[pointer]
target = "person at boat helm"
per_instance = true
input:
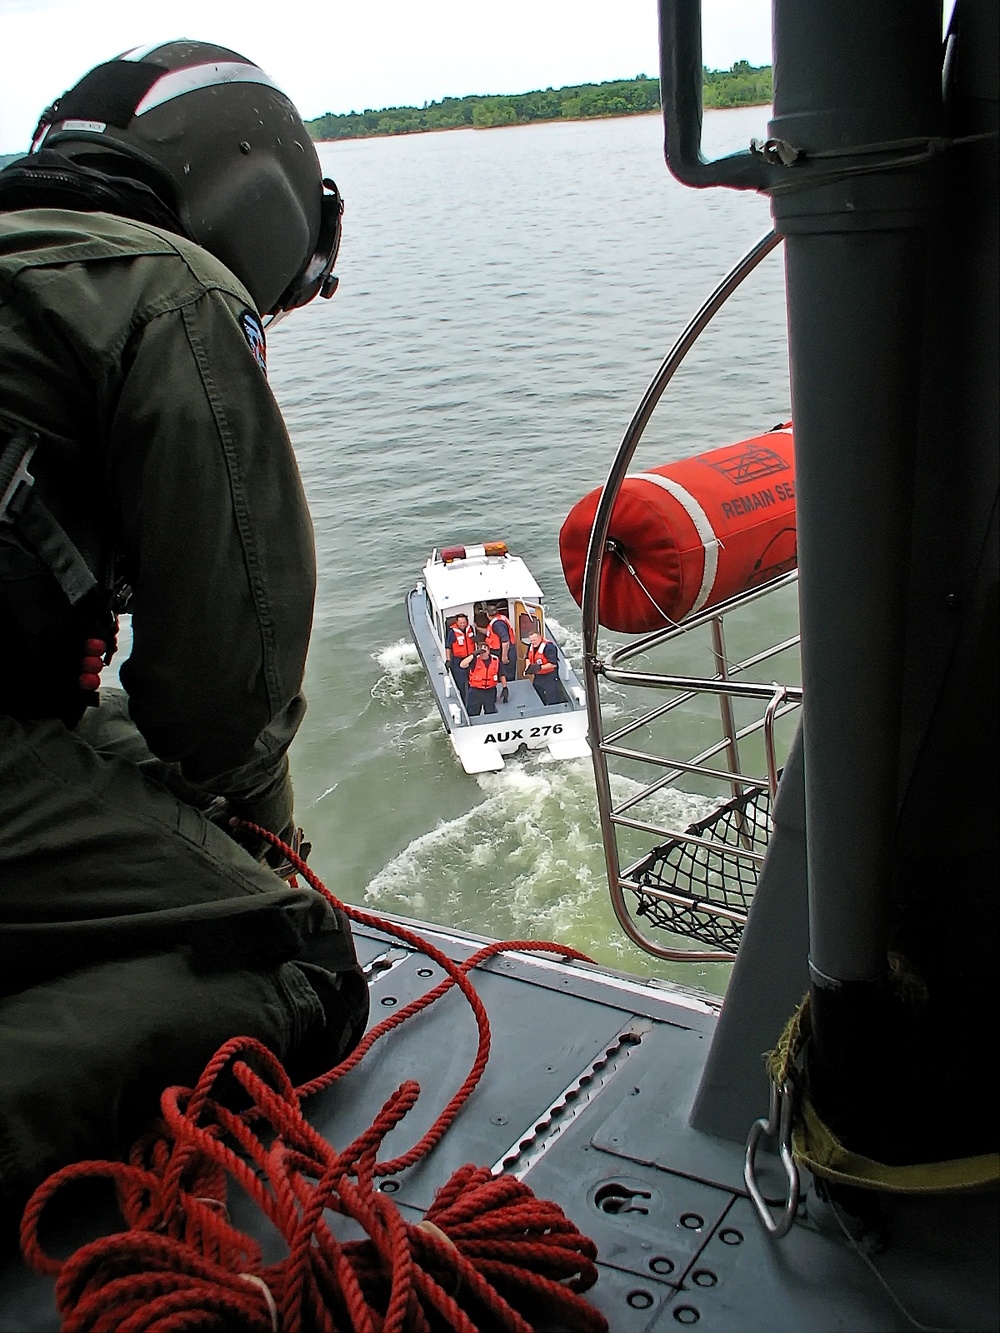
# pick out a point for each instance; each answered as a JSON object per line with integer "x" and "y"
{"x": 484, "y": 672}
{"x": 501, "y": 641}
{"x": 171, "y": 203}
{"x": 460, "y": 647}
{"x": 542, "y": 664}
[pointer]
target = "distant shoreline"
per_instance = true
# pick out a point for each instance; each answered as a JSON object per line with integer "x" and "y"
{"x": 743, "y": 85}
{"x": 526, "y": 124}
{"x": 518, "y": 125}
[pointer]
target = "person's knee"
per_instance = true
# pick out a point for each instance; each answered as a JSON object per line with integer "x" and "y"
{"x": 87, "y": 1055}
{"x": 343, "y": 997}
{"x": 328, "y": 963}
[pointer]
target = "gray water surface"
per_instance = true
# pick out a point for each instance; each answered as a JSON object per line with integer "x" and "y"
{"x": 506, "y": 295}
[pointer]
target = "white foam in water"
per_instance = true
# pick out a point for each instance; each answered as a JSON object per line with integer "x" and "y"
{"x": 670, "y": 807}
{"x": 422, "y": 733}
{"x": 570, "y": 640}
{"x": 401, "y": 669}
{"x": 613, "y": 698}
{"x": 526, "y": 862}
{"x": 398, "y": 659}
{"x": 322, "y": 796}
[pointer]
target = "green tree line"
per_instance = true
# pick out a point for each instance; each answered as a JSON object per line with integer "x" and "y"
{"x": 743, "y": 85}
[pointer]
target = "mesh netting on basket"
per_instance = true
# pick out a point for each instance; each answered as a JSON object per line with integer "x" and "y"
{"x": 712, "y": 886}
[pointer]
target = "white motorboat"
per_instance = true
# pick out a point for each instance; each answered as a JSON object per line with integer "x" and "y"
{"x": 476, "y": 581}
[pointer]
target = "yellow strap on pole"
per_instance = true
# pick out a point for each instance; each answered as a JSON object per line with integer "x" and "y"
{"x": 816, "y": 1147}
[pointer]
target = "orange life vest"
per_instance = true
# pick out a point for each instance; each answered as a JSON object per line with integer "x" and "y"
{"x": 536, "y": 658}
{"x": 463, "y": 643}
{"x": 493, "y": 639}
{"x": 483, "y": 673}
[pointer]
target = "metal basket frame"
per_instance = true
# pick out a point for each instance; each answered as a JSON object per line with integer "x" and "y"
{"x": 721, "y": 922}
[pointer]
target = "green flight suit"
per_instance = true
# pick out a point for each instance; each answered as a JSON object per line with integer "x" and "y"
{"x": 136, "y": 934}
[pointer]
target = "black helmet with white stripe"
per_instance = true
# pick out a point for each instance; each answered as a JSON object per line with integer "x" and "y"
{"x": 227, "y": 151}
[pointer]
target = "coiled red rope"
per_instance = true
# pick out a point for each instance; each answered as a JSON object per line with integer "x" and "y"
{"x": 488, "y": 1255}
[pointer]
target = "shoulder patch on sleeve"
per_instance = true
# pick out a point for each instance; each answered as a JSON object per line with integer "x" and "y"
{"x": 254, "y": 334}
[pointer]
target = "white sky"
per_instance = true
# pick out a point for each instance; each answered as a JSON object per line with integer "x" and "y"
{"x": 339, "y": 55}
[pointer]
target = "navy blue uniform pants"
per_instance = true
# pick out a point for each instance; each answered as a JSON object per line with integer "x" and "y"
{"x": 507, "y": 669}
{"x": 461, "y": 675}
{"x": 482, "y": 701}
{"x": 547, "y": 687}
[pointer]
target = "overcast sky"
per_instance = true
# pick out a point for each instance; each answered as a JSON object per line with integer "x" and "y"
{"x": 330, "y": 55}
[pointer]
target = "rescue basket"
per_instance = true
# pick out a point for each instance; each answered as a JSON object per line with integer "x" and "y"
{"x": 704, "y": 892}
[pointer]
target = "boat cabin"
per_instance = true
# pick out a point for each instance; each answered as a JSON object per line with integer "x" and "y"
{"x": 481, "y": 581}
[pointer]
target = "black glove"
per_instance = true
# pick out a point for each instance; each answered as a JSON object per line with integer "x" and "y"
{"x": 504, "y": 695}
{"x": 271, "y": 808}
{"x": 266, "y": 852}
{"x": 280, "y": 863}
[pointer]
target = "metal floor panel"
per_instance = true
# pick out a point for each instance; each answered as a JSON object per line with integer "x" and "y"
{"x": 811, "y": 1281}
{"x": 645, "y": 1222}
{"x": 541, "y": 1042}
{"x": 585, "y": 1098}
{"x": 668, "y": 1065}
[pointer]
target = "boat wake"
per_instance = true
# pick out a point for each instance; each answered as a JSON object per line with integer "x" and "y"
{"x": 570, "y": 640}
{"x": 525, "y": 862}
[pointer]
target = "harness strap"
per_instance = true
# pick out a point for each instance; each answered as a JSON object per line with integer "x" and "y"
{"x": 21, "y": 506}
{"x": 815, "y": 1146}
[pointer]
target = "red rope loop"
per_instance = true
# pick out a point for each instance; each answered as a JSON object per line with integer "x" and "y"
{"x": 491, "y": 1255}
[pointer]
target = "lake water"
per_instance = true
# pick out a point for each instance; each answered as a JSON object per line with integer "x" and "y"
{"x": 505, "y": 298}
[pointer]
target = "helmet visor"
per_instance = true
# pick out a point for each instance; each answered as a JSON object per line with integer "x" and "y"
{"x": 317, "y": 278}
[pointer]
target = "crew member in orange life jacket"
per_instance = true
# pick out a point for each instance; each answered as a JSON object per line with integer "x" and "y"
{"x": 542, "y": 665}
{"x": 460, "y": 644}
{"x": 483, "y": 675}
{"x": 501, "y": 642}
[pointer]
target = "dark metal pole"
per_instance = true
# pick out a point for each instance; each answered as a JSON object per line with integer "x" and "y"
{"x": 882, "y": 170}
{"x": 857, "y": 90}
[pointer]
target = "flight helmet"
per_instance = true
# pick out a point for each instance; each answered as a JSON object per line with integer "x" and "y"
{"x": 210, "y": 130}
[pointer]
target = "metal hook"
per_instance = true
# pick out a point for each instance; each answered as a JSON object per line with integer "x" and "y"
{"x": 778, "y": 1123}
